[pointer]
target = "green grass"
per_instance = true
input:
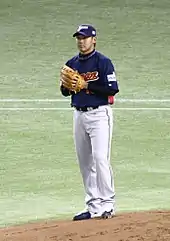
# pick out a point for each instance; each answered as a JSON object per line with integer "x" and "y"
{"x": 40, "y": 177}
{"x": 39, "y": 174}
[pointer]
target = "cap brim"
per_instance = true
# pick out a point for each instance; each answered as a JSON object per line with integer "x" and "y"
{"x": 79, "y": 33}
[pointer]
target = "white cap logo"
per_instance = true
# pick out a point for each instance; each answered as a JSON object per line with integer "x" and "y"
{"x": 82, "y": 27}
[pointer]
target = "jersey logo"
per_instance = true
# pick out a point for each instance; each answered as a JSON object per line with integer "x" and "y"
{"x": 90, "y": 76}
{"x": 111, "y": 77}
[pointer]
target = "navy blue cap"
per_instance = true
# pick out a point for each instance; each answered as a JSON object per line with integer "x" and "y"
{"x": 85, "y": 30}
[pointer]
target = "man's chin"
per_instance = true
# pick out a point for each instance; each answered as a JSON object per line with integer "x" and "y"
{"x": 83, "y": 50}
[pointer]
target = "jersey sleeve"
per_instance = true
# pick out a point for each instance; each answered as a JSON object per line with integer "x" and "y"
{"x": 68, "y": 63}
{"x": 109, "y": 75}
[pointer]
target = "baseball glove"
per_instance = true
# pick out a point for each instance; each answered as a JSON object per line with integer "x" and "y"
{"x": 71, "y": 79}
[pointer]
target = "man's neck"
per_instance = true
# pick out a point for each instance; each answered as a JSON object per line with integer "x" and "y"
{"x": 88, "y": 52}
{"x": 87, "y": 55}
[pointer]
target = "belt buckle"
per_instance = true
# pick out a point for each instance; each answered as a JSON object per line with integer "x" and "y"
{"x": 89, "y": 108}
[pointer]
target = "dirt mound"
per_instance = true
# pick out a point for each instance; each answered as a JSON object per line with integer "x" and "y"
{"x": 151, "y": 226}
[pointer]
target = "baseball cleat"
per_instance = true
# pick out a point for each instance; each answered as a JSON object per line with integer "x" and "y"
{"x": 107, "y": 215}
{"x": 82, "y": 216}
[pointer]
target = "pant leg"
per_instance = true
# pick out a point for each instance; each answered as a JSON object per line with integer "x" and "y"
{"x": 86, "y": 163}
{"x": 100, "y": 126}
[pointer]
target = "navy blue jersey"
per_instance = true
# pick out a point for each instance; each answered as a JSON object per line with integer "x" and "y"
{"x": 98, "y": 70}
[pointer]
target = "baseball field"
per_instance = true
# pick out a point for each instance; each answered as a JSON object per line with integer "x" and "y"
{"x": 41, "y": 186}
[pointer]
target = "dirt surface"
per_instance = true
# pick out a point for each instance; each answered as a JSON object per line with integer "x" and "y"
{"x": 151, "y": 226}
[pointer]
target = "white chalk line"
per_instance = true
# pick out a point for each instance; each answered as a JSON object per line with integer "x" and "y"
{"x": 64, "y": 109}
{"x": 68, "y": 100}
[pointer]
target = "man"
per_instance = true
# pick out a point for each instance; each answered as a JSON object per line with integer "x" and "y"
{"x": 93, "y": 123}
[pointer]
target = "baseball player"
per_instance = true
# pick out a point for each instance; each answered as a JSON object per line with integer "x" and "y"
{"x": 93, "y": 123}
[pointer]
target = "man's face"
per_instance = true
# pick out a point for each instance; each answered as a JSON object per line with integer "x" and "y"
{"x": 85, "y": 44}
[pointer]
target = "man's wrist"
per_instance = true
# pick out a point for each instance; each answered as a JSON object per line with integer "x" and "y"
{"x": 86, "y": 85}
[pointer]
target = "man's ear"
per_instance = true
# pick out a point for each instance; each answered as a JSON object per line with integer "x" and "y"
{"x": 94, "y": 40}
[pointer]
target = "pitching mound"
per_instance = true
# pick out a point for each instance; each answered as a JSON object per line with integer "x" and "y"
{"x": 151, "y": 226}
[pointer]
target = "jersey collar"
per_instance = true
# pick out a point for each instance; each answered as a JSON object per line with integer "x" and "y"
{"x": 86, "y": 56}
